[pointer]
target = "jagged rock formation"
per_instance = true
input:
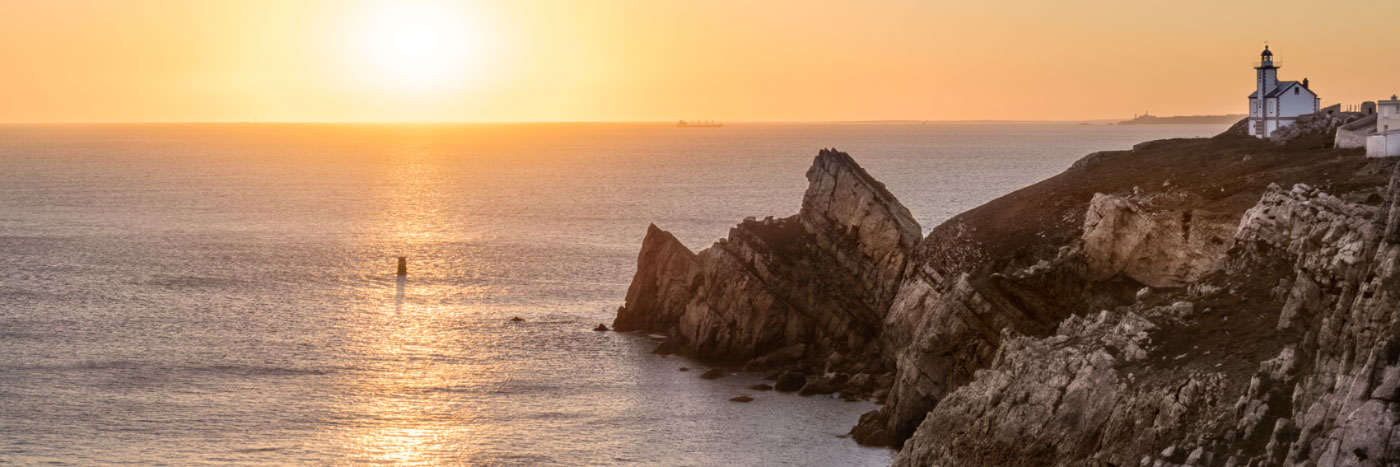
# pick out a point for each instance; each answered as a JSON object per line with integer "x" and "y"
{"x": 1027, "y": 261}
{"x": 800, "y": 288}
{"x": 659, "y": 292}
{"x": 1042, "y": 398}
{"x": 852, "y": 215}
{"x": 1104, "y": 390}
{"x": 1170, "y": 305}
{"x": 1343, "y": 301}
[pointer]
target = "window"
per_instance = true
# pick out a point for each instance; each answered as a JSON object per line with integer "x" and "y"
{"x": 1295, "y": 91}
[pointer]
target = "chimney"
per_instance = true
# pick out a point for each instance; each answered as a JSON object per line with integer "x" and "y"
{"x": 1305, "y": 83}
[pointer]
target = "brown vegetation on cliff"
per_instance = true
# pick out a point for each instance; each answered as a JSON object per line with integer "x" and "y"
{"x": 1222, "y": 301}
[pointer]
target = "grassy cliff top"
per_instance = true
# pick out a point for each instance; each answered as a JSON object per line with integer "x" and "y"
{"x": 1218, "y": 176}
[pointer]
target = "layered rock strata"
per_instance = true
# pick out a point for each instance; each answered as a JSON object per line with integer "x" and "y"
{"x": 778, "y": 291}
{"x": 1167, "y": 305}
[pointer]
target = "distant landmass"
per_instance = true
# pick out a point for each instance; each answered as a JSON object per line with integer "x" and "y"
{"x": 1153, "y": 119}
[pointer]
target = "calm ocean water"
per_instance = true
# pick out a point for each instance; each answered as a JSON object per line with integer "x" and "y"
{"x": 187, "y": 294}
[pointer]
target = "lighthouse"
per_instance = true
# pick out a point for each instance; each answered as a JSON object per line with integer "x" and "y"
{"x": 1276, "y": 104}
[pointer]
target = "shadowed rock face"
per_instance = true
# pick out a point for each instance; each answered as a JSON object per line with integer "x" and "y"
{"x": 942, "y": 328}
{"x": 1217, "y": 321}
{"x": 822, "y": 279}
{"x": 665, "y": 271}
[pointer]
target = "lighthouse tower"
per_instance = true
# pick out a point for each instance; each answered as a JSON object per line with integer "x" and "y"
{"x": 1266, "y": 79}
{"x": 1266, "y": 72}
{"x": 1275, "y": 104}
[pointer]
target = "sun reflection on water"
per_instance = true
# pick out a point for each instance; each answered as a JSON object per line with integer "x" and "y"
{"x": 403, "y": 405}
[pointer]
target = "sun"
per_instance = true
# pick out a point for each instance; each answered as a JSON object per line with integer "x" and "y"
{"x": 407, "y": 46}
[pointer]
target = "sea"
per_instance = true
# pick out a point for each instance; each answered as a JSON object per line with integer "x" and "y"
{"x": 187, "y": 294}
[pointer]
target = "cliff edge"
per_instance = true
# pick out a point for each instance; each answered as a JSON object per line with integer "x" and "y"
{"x": 1212, "y": 301}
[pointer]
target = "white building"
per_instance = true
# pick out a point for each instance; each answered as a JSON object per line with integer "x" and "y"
{"x": 1275, "y": 104}
{"x": 1386, "y": 141}
{"x": 1388, "y": 115}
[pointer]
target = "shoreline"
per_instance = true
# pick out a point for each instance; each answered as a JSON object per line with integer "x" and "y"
{"x": 1028, "y": 272}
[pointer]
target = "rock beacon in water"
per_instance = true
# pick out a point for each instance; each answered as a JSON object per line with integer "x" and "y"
{"x": 1197, "y": 302}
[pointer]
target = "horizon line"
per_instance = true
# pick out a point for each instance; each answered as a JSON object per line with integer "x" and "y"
{"x": 552, "y": 122}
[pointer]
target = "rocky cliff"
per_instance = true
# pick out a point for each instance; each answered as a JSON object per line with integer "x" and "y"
{"x": 1219, "y": 301}
{"x": 1279, "y": 358}
{"x": 790, "y": 292}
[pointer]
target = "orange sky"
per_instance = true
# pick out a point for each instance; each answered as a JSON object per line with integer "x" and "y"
{"x": 631, "y": 60}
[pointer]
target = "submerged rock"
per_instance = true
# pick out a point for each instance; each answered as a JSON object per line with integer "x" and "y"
{"x": 714, "y": 373}
{"x": 816, "y": 387}
{"x": 601, "y": 327}
{"x": 861, "y": 383}
{"x": 782, "y": 356}
{"x": 761, "y": 387}
{"x": 872, "y": 430}
{"x": 790, "y": 381}
{"x": 741, "y": 399}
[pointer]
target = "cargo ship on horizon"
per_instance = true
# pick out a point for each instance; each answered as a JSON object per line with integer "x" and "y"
{"x": 698, "y": 124}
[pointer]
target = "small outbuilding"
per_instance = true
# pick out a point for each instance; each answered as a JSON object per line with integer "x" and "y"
{"x": 1386, "y": 141}
{"x": 1388, "y": 115}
